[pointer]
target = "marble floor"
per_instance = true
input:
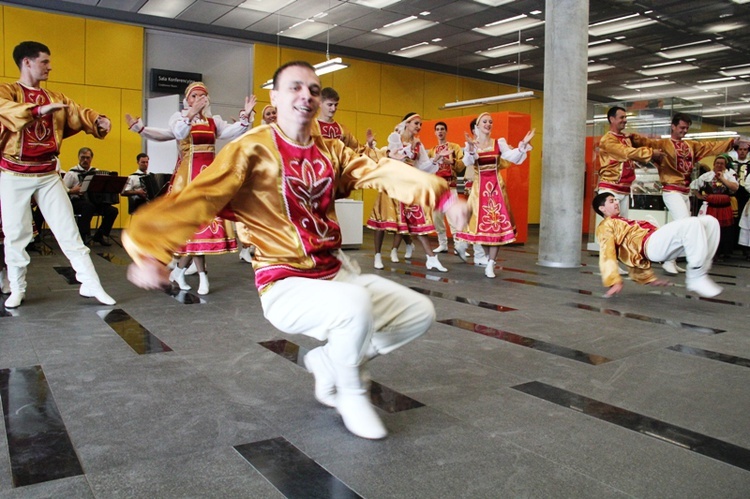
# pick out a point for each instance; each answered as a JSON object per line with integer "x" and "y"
{"x": 528, "y": 385}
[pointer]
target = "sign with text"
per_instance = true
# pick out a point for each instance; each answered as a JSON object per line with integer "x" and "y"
{"x": 172, "y": 82}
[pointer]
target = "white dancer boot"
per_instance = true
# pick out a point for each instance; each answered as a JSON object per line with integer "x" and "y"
{"x": 178, "y": 276}
{"x": 394, "y": 255}
{"x": 203, "y": 286}
{"x": 670, "y": 267}
{"x": 378, "y": 262}
{"x": 434, "y": 263}
{"x": 480, "y": 261}
{"x": 442, "y": 248}
{"x": 318, "y": 363}
{"x": 15, "y": 299}
{"x": 353, "y": 403}
{"x": 4, "y": 282}
{"x": 461, "y": 251}
{"x": 409, "y": 251}
{"x": 94, "y": 290}
{"x": 489, "y": 270}
{"x": 17, "y": 282}
{"x": 702, "y": 286}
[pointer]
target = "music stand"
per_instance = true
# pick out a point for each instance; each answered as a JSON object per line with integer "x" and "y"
{"x": 105, "y": 189}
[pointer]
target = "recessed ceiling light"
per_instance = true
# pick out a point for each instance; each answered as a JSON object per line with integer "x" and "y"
{"x": 510, "y": 25}
{"x": 505, "y": 68}
{"x": 404, "y": 26}
{"x": 714, "y": 80}
{"x": 692, "y": 50}
{"x": 608, "y": 48}
{"x": 494, "y": 3}
{"x": 723, "y": 27}
{"x": 725, "y": 84}
{"x": 675, "y": 68}
{"x": 417, "y": 50}
{"x": 647, "y": 84}
{"x": 619, "y": 24}
{"x": 375, "y": 4}
{"x": 598, "y": 67}
{"x": 264, "y": 5}
{"x": 506, "y": 49}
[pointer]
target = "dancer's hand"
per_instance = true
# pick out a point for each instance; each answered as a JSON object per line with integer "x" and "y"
{"x": 471, "y": 143}
{"x": 370, "y": 137}
{"x": 150, "y": 274}
{"x": 250, "y": 104}
{"x": 529, "y": 136}
{"x": 613, "y": 290}
{"x": 130, "y": 120}
{"x": 104, "y": 124}
{"x": 458, "y": 214}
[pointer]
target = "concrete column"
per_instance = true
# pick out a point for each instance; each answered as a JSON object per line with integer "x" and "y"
{"x": 563, "y": 146}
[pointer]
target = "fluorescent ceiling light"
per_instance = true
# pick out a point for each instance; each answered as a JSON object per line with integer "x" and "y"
{"x": 741, "y": 1}
{"x": 724, "y": 27}
{"x": 417, "y": 50}
{"x": 724, "y": 84}
{"x": 707, "y": 95}
{"x": 733, "y": 107}
{"x": 647, "y": 84}
{"x": 161, "y": 8}
{"x": 607, "y": 48}
{"x": 714, "y": 80}
{"x": 509, "y": 25}
{"x": 494, "y": 3}
{"x": 692, "y": 51}
{"x": 490, "y": 100}
{"x": 265, "y": 5}
{"x": 674, "y": 68}
{"x": 375, "y": 4}
{"x": 305, "y": 29}
{"x": 593, "y": 82}
{"x": 598, "y": 67}
{"x": 739, "y": 70}
{"x": 404, "y": 27}
{"x": 719, "y": 115}
{"x": 619, "y": 24}
{"x": 505, "y": 68}
{"x": 659, "y": 94}
{"x": 507, "y": 49}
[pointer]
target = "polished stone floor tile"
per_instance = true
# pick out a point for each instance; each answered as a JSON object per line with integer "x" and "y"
{"x": 517, "y": 339}
{"x": 381, "y": 396}
{"x": 654, "y": 320}
{"x": 38, "y": 443}
{"x": 113, "y": 258}
{"x": 429, "y": 277}
{"x": 68, "y": 274}
{"x": 135, "y": 335}
{"x": 702, "y": 444}
{"x": 185, "y": 297}
{"x": 463, "y": 299}
{"x": 708, "y": 354}
{"x": 293, "y": 473}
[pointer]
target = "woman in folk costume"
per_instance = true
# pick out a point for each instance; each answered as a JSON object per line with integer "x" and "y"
{"x": 715, "y": 188}
{"x": 196, "y": 131}
{"x": 267, "y": 116}
{"x": 491, "y": 223}
{"x": 393, "y": 216}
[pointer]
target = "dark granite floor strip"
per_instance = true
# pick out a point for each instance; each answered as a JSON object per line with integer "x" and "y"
{"x": 429, "y": 277}
{"x": 463, "y": 299}
{"x": 135, "y": 335}
{"x": 708, "y": 354}
{"x": 654, "y": 320}
{"x": 184, "y": 297}
{"x": 731, "y": 454}
{"x": 68, "y": 273}
{"x": 381, "y": 396}
{"x": 38, "y": 443}
{"x": 700, "y": 298}
{"x": 292, "y": 472}
{"x": 524, "y": 341}
{"x": 548, "y": 286}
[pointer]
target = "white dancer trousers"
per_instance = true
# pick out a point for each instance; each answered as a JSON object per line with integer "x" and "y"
{"x": 677, "y": 203}
{"x": 52, "y": 199}
{"x": 695, "y": 238}
{"x": 361, "y": 315}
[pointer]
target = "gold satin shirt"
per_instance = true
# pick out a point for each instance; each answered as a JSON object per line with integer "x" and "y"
{"x": 626, "y": 239}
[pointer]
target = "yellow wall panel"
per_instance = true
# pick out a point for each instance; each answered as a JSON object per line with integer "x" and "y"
{"x": 114, "y": 55}
{"x": 401, "y": 91}
{"x": 439, "y": 89}
{"x": 359, "y": 86}
{"x": 130, "y": 146}
{"x": 4, "y": 51}
{"x": 64, "y": 35}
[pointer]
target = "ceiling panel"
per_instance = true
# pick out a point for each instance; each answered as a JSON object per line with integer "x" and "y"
{"x": 204, "y": 12}
{"x": 240, "y": 18}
